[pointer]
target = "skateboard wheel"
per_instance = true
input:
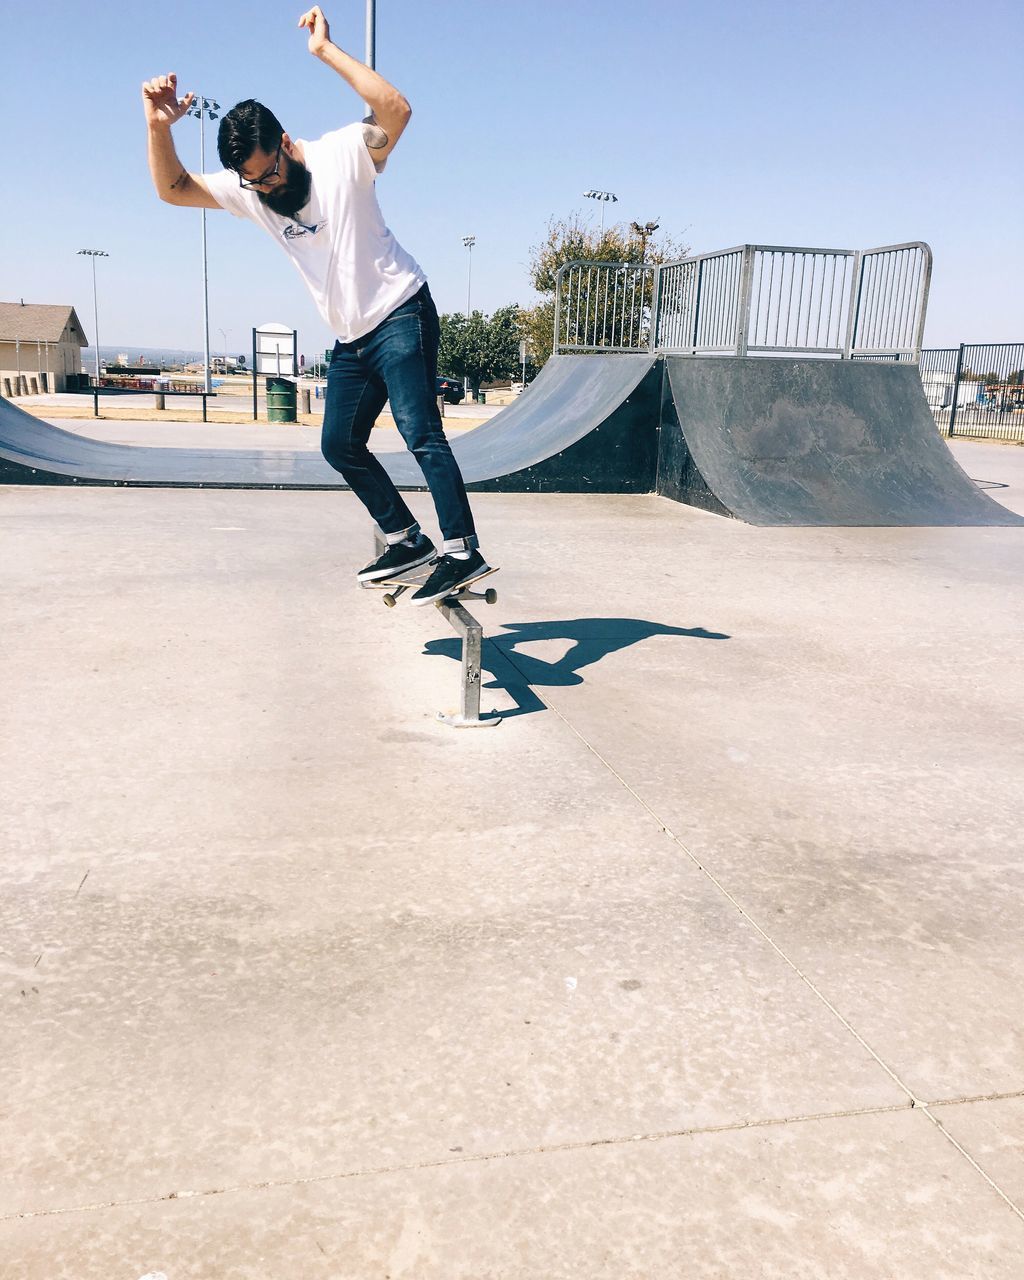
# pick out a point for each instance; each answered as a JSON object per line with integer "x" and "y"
{"x": 491, "y": 596}
{"x": 389, "y": 600}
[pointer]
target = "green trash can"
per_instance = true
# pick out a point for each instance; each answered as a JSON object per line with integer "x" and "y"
{"x": 281, "y": 400}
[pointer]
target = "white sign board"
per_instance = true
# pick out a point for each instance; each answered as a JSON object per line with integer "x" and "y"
{"x": 275, "y": 351}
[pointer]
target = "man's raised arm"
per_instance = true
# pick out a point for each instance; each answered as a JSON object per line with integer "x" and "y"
{"x": 173, "y": 182}
{"x": 390, "y": 110}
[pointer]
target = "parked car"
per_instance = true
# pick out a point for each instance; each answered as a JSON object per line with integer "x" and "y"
{"x": 451, "y": 389}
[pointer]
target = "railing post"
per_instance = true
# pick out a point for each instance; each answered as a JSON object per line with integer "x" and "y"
{"x": 698, "y": 280}
{"x": 922, "y": 301}
{"x": 652, "y": 344}
{"x": 746, "y": 290}
{"x": 956, "y": 389}
{"x": 856, "y": 282}
{"x": 558, "y": 309}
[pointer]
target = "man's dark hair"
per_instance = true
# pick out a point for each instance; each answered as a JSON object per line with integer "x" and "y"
{"x": 247, "y": 126}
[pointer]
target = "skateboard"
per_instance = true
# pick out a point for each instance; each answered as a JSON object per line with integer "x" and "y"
{"x": 398, "y": 586}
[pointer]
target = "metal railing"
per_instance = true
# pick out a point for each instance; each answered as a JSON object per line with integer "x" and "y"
{"x": 751, "y": 300}
{"x": 603, "y": 306}
{"x": 892, "y": 298}
{"x": 976, "y": 389}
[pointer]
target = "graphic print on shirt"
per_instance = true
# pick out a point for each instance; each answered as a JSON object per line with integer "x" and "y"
{"x": 296, "y": 230}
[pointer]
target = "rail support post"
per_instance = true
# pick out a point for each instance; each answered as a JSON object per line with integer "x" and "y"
{"x": 471, "y": 633}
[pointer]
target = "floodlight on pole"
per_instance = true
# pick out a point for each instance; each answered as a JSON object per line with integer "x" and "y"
{"x": 469, "y": 242}
{"x": 603, "y": 197}
{"x": 94, "y": 254}
{"x": 644, "y": 232}
{"x": 203, "y": 109}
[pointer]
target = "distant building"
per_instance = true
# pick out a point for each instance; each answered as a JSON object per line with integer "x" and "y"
{"x": 40, "y": 344}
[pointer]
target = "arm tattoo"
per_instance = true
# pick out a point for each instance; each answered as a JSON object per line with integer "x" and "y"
{"x": 374, "y": 136}
{"x": 180, "y": 180}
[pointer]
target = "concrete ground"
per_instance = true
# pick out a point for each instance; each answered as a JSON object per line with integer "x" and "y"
{"x": 705, "y": 962}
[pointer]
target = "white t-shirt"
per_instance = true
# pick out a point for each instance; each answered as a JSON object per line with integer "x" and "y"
{"x": 354, "y": 267}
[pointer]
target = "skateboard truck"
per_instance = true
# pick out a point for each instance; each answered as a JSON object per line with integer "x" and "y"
{"x": 468, "y": 630}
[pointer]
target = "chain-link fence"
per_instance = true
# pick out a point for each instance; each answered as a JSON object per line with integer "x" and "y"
{"x": 976, "y": 389}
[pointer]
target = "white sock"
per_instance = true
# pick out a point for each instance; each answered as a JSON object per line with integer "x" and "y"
{"x": 459, "y": 555}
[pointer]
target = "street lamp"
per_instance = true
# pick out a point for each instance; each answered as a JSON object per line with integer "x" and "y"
{"x": 94, "y": 254}
{"x": 469, "y": 242}
{"x": 204, "y": 108}
{"x": 644, "y": 232}
{"x": 603, "y": 197}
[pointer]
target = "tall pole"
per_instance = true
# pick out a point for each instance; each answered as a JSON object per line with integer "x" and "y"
{"x": 94, "y": 254}
{"x": 371, "y": 34}
{"x": 208, "y": 385}
{"x": 96, "y": 318}
{"x": 203, "y": 107}
{"x": 469, "y": 242}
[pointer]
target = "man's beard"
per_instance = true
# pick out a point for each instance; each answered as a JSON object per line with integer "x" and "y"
{"x": 288, "y": 197}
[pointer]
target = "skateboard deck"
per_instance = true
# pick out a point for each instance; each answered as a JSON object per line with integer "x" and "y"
{"x": 393, "y": 588}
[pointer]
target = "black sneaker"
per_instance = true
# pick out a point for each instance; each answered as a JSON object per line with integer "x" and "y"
{"x": 401, "y": 558}
{"x": 449, "y": 575}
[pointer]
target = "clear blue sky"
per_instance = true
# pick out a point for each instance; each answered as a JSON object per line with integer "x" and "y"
{"x": 844, "y": 125}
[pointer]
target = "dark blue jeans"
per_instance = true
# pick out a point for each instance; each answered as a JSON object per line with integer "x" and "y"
{"x": 396, "y": 361}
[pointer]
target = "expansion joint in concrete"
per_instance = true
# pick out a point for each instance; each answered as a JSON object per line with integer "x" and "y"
{"x": 913, "y": 1101}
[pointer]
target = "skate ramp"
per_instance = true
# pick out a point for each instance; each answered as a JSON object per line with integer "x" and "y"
{"x": 812, "y": 442}
{"x": 587, "y": 424}
{"x": 36, "y": 452}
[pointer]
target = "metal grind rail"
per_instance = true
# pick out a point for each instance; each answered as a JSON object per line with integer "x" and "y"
{"x": 469, "y": 631}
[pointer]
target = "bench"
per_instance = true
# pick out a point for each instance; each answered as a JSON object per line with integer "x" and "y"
{"x": 158, "y": 396}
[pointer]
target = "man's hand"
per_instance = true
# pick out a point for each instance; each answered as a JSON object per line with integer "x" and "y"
{"x": 161, "y": 103}
{"x": 319, "y": 32}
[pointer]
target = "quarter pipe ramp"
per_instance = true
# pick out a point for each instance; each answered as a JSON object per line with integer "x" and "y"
{"x": 812, "y": 442}
{"x": 769, "y": 441}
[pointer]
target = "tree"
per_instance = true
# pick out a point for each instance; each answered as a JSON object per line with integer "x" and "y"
{"x": 628, "y": 296}
{"x": 480, "y": 348}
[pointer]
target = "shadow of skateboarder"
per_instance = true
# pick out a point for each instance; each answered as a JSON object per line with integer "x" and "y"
{"x": 591, "y": 639}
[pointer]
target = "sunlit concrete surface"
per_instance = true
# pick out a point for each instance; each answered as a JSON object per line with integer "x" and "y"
{"x": 705, "y": 962}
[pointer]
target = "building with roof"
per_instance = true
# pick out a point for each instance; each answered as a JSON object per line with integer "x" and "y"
{"x": 40, "y": 347}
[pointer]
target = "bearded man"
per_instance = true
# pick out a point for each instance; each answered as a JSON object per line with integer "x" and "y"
{"x": 317, "y": 200}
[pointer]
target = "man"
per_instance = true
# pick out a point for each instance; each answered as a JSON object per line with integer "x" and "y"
{"x": 318, "y": 201}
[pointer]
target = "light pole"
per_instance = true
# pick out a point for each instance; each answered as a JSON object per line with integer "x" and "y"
{"x": 203, "y": 108}
{"x": 371, "y": 34}
{"x": 224, "y": 338}
{"x": 644, "y": 232}
{"x": 94, "y": 254}
{"x": 603, "y": 197}
{"x": 469, "y": 242}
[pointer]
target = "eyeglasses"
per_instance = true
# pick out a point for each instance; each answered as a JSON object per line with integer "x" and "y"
{"x": 264, "y": 180}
